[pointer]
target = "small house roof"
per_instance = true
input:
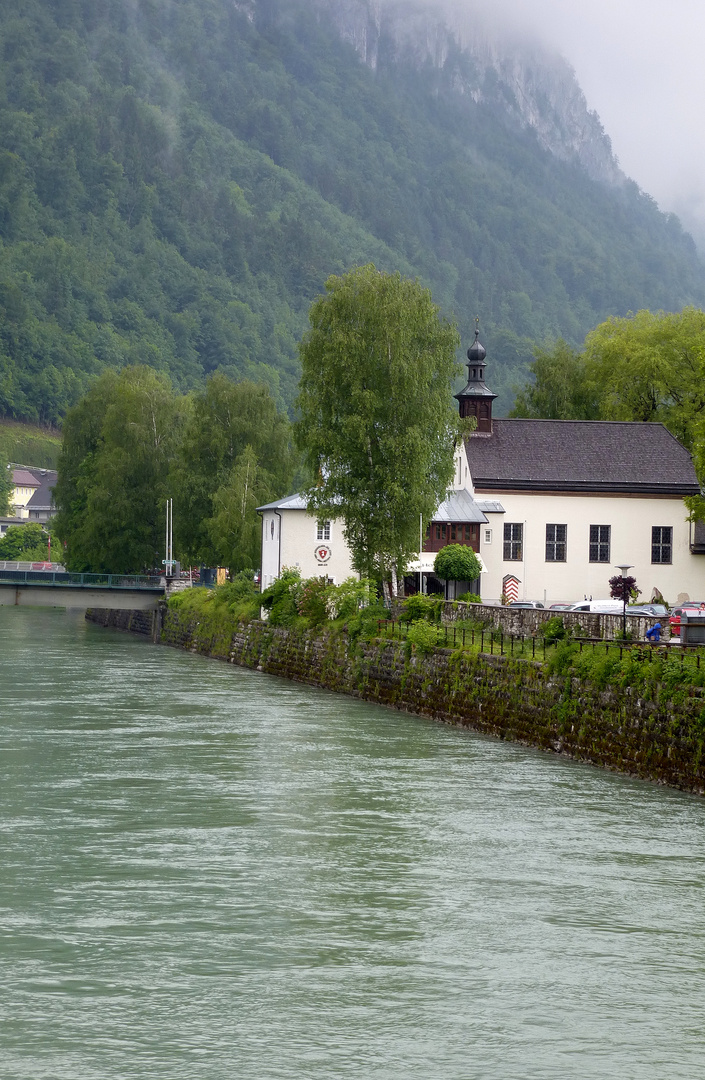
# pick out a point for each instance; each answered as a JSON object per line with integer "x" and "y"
{"x": 581, "y": 455}
{"x": 24, "y": 478}
{"x": 459, "y": 506}
{"x": 291, "y": 502}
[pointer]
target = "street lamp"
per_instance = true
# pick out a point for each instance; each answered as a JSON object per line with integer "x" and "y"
{"x": 623, "y": 571}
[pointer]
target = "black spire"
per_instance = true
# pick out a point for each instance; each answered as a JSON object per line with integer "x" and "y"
{"x": 476, "y": 399}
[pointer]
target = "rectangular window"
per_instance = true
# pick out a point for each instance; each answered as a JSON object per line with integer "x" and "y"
{"x": 468, "y": 533}
{"x": 452, "y": 532}
{"x": 443, "y": 532}
{"x": 488, "y": 536}
{"x": 438, "y": 532}
{"x": 323, "y": 530}
{"x": 513, "y": 536}
{"x": 556, "y": 543}
{"x": 661, "y": 544}
{"x": 599, "y": 543}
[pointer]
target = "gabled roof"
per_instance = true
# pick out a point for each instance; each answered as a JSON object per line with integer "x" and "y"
{"x": 43, "y": 497}
{"x": 291, "y": 502}
{"x": 24, "y": 478}
{"x": 580, "y": 455}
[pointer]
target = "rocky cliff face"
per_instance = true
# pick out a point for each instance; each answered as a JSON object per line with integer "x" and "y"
{"x": 535, "y": 87}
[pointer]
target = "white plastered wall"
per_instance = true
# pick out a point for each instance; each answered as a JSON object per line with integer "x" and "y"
{"x": 631, "y": 520}
{"x": 299, "y": 545}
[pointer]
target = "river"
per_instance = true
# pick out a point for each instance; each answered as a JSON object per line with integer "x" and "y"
{"x": 211, "y": 873}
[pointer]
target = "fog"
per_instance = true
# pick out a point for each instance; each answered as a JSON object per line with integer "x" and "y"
{"x": 640, "y": 65}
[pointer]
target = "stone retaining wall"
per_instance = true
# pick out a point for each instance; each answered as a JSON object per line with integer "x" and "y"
{"x": 147, "y": 623}
{"x": 499, "y": 696}
{"x": 525, "y": 621}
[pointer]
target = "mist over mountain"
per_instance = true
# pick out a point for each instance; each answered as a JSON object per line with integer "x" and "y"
{"x": 179, "y": 177}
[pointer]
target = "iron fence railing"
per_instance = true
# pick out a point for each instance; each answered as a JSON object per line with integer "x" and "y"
{"x": 497, "y": 643}
{"x": 86, "y": 581}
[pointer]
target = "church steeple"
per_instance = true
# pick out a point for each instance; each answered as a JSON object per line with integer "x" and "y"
{"x": 476, "y": 399}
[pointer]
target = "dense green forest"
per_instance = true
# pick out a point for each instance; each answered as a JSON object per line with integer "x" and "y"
{"x": 178, "y": 179}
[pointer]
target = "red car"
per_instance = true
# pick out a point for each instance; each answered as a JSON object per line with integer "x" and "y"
{"x": 675, "y": 620}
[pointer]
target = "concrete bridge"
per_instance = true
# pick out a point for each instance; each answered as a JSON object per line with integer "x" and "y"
{"x": 59, "y": 588}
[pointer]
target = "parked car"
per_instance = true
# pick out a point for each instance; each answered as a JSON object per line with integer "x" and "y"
{"x": 675, "y": 620}
{"x": 562, "y": 605}
{"x": 603, "y": 607}
{"x": 660, "y": 611}
{"x": 526, "y": 604}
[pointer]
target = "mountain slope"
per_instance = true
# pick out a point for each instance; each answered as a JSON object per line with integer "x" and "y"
{"x": 179, "y": 177}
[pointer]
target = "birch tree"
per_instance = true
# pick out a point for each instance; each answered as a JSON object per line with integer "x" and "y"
{"x": 376, "y": 419}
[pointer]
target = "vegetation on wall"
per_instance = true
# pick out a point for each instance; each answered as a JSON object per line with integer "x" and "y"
{"x": 179, "y": 178}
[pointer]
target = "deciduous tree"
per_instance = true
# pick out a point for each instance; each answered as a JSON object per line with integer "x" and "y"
{"x": 119, "y": 445}
{"x": 6, "y": 487}
{"x": 236, "y": 454}
{"x": 377, "y": 421}
{"x": 456, "y": 562}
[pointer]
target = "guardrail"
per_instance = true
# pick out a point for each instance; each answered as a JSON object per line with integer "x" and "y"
{"x": 82, "y": 581}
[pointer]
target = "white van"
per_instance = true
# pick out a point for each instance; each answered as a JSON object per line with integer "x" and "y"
{"x": 603, "y": 607}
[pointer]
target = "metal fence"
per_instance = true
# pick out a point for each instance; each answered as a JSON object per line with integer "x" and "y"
{"x": 497, "y": 643}
{"x": 85, "y": 581}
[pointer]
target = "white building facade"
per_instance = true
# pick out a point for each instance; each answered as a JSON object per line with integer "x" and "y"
{"x": 291, "y": 537}
{"x": 552, "y": 508}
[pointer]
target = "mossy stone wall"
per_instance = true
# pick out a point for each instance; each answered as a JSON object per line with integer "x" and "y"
{"x": 510, "y": 699}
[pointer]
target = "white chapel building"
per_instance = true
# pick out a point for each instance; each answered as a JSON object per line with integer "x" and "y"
{"x": 551, "y": 507}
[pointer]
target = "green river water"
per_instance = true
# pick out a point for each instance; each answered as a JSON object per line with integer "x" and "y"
{"x": 210, "y": 873}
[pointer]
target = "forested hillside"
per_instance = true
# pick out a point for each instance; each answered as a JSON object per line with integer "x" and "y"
{"x": 179, "y": 177}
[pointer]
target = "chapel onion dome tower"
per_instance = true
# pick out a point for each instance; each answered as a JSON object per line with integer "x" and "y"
{"x": 476, "y": 399}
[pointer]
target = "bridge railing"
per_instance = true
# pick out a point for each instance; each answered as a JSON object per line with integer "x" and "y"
{"x": 86, "y": 581}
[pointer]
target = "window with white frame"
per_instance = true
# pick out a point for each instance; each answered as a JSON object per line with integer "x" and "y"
{"x": 661, "y": 544}
{"x": 513, "y": 537}
{"x": 599, "y": 543}
{"x": 488, "y": 536}
{"x": 556, "y": 543}
{"x": 323, "y": 530}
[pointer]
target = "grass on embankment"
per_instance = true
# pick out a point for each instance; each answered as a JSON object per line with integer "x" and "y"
{"x": 28, "y": 444}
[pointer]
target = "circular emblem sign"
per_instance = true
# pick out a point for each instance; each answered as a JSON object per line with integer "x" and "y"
{"x": 322, "y": 553}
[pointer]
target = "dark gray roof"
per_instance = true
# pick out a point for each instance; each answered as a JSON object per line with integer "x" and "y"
{"x": 43, "y": 497}
{"x": 580, "y": 455}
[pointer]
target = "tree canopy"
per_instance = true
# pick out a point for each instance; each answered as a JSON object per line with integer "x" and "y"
{"x": 457, "y": 562}
{"x": 376, "y": 421}
{"x": 132, "y": 442}
{"x": 647, "y": 366}
{"x": 119, "y": 445}
{"x": 25, "y": 543}
{"x": 235, "y": 454}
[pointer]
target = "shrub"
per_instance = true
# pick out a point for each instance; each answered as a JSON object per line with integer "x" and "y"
{"x": 350, "y": 597}
{"x": 365, "y": 623}
{"x": 422, "y": 637}
{"x": 312, "y": 600}
{"x": 469, "y": 598}
{"x": 552, "y": 630}
{"x": 279, "y": 598}
{"x": 422, "y": 608}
